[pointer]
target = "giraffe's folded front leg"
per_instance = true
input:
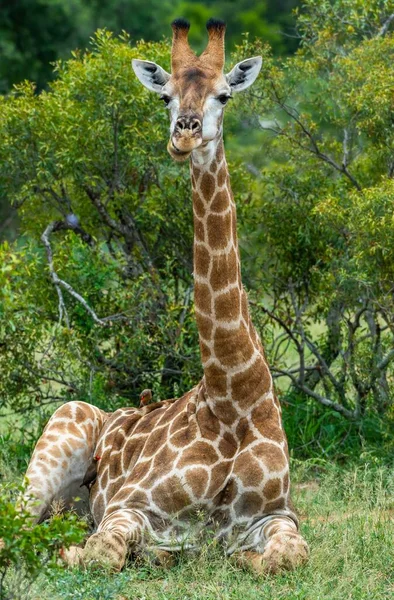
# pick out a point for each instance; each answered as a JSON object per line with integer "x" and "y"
{"x": 118, "y": 534}
{"x": 61, "y": 457}
{"x": 285, "y": 548}
{"x": 106, "y": 549}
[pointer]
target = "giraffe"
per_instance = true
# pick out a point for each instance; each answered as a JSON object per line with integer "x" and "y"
{"x": 161, "y": 474}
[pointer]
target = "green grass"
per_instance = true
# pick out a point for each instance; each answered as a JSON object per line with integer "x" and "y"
{"x": 346, "y": 516}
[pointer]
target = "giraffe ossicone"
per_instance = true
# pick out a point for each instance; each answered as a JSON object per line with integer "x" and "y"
{"x": 220, "y": 450}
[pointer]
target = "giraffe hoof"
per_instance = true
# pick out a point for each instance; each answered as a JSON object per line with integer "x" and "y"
{"x": 72, "y": 556}
{"x": 251, "y": 561}
{"x": 284, "y": 552}
{"x": 160, "y": 558}
{"x": 105, "y": 550}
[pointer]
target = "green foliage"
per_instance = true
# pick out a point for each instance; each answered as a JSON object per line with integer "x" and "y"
{"x": 88, "y": 159}
{"x": 26, "y": 550}
{"x": 16, "y": 447}
{"x": 314, "y": 431}
{"x": 96, "y": 298}
{"x": 35, "y": 33}
{"x": 320, "y": 245}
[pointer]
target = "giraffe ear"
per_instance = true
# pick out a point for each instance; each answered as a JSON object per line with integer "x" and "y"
{"x": 151, "y": 75}
{"x": 244, "y": 73}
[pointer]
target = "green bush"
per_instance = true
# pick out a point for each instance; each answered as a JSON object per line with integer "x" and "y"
{"x": 319, "y": 234}
{"x": 26, "y": 550}
{"x": 97, "y": 294}
{"x": 88, "y": 160}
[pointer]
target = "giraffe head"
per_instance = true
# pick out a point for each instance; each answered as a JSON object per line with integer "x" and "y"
{"x": 197, "y": 89}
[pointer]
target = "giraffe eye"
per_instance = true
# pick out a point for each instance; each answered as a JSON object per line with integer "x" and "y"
{"x": 223, "y": 98}
{"x": 166, "y": 99}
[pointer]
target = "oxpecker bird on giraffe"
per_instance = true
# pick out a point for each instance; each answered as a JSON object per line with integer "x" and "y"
{"x": 220, "y": 450}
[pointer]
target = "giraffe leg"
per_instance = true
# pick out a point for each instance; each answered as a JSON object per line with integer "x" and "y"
{"x": 161, "y": 558}
{"x": 116, "y": 536}
{"x": 61, "y": 457}
{"x": 284, "y": 548}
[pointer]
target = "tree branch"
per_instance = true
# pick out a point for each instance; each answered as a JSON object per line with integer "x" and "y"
{"x": 115, "y": 225}
{"x": 386, "y": 360}
{"x": 314, "y": 149}
{"x": 60, "y": 283}
{"x": 385, "y": 27}
{"x": 349, "y": 414}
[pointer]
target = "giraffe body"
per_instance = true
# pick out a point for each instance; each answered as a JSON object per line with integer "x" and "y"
{"x": 183, "y": 469}
{"x": 217, "y": 457}
{"x": 61, "y": 457}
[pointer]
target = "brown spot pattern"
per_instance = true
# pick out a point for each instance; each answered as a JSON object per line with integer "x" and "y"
{"x": 199, "y": 451}
{"x": 251, "y": 384}
{"x": 205, "y": 326}
{"x": 233, "y": 347}
{"x": 208, "y": 185}
{"x": 208, "y": 423}
{"x": 217, "y": 226}
{"x": 170, "y": 495}
{"x": 224, "y": 270}
{"x": 225, "y": 412}
{"x": 220, "y": 202}
{"x": 272, "y": 489}
{"x": 248, "y": 469}
{"x": 198, "y": 206}
{"x": 218, "y": 381}
{"x": 271, "y": 455}
{"x": 202, "y": 297}
{"x": 227, "y": 304}
{"x": 249, "y": 504}
{"x": 201, "y": 260}
{"x": 197, "y": 479}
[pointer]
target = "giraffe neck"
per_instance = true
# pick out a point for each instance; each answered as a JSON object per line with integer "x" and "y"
{"x": 235, "y": 370}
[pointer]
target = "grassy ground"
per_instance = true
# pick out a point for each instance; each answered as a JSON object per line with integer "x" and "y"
{"x": 346, "y": 512}
{"x": 347, "y": 518}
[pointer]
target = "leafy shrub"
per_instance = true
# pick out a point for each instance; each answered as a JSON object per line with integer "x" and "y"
{"x": 27, "y": 550}
{"x": 97, "y": 295}
{"x": 318, "y": 238}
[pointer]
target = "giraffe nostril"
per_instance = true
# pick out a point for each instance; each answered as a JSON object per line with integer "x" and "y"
{"x": 184, "y": 124}
{"x": 195, "y": 126}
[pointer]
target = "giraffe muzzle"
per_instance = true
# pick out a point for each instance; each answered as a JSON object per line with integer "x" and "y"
{"x": 186, "y": 137}
{"x": 176, "y": 153}
{"x": 181, "y": 148}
